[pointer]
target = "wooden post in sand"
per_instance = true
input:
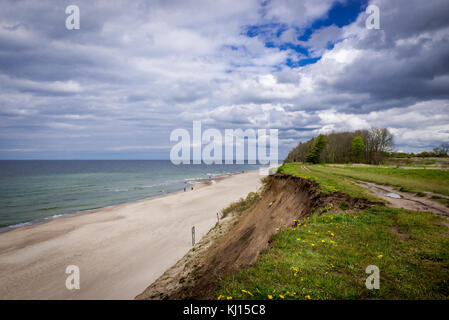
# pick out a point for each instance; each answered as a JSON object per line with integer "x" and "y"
{"x": 193, "y": 236}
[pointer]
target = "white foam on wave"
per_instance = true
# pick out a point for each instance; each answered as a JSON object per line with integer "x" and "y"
{"x": 19, "y": 225}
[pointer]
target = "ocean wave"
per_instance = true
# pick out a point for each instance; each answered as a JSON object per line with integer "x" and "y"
{"x": 18, "y": 225}
{"x": 49, "y": 208}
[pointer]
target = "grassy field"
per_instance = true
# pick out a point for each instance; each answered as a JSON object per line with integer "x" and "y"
{"x": 328, "y": 181}
{"x": 325, "y": 256}
{"x": 413, "y": 180}
{"x": 416, "y": 162}
{"x": 338, "y": 177}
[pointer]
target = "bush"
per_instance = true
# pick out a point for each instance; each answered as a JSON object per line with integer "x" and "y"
{"x": 241, "y": 205}
{"x": 344, "y": 205}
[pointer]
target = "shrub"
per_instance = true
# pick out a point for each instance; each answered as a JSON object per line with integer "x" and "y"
{"x": 344, "y": 205}
{"x": 241, "y": 205}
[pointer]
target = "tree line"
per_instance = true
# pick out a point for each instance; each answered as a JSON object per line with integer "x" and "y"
{"x": 438, "y": 152}
{"x": 361, "y": 146}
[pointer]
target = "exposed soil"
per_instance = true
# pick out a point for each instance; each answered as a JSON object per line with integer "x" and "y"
{"x": 408, "y": 200}
{"x": 283, "y": 199}
{"x": 401, "y": 233}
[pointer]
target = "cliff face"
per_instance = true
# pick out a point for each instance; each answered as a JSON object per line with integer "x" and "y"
{"x": 283, "y": 199}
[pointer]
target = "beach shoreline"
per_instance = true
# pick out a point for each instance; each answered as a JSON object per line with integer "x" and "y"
{"x": 197, "y": 182}
{"x": 120, "y": 249}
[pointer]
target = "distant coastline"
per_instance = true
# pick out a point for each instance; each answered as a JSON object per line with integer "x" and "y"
{"x": 73, "y": 187}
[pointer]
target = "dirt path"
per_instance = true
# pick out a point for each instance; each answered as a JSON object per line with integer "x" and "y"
{"x": 407, "y": 200}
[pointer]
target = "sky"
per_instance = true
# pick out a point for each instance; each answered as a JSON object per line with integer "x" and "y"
{"x": 136, "y": 70}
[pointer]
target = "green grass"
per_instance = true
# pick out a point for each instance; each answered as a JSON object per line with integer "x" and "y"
{"x": 326, "y": 256}
{"x": 414, "y": 180}
{"x": 240, "y": 205}
{"x": 337, "y": 178}
{"x": 328, "y": 181}
{"x": 417, "y": 162}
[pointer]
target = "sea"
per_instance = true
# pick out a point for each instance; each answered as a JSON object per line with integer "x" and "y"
{"x": 35, "y": 191}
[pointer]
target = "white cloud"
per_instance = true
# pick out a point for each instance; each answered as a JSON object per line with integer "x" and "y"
{"x": 135, "y": 70}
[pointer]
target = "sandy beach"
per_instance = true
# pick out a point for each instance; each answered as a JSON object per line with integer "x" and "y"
{"x": 120, "y": 250}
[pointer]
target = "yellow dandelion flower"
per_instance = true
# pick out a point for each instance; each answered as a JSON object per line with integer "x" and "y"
{"x": 323, "y": 241}
{"x": 229, "y": 298}
{"x": 277, "y": 229}
{"x": 220, "y": 297}
{"x": 247, "y": 292}
{"x": 270, "y": 297}
{"x": 298, "y": 239}
{"x": 313, "y": 244}
{"x": 380, "y": 256}
{"x": 308, "y": 297}
{"x": 281, "y": 296}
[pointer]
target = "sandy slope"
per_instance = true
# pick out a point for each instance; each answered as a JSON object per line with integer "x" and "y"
{"x": 120, "y": 250}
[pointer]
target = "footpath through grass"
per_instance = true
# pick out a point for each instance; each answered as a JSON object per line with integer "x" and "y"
{"x": 412, "y": 180}
{"x": 326, "y": 257}
{"x": 333, "y": 178}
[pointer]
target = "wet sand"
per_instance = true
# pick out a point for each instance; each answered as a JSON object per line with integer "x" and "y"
{"x": 120, "y": 250}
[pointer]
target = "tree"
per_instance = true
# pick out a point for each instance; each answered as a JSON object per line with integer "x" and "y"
{"x": 338, "y": 147}
{"x": 377, "y": 143}
{"x": 315, "y": 151}
{"x": 358, "y": 149}
{"x": 442, "y": 151}
{"x": 445, "y": 148}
